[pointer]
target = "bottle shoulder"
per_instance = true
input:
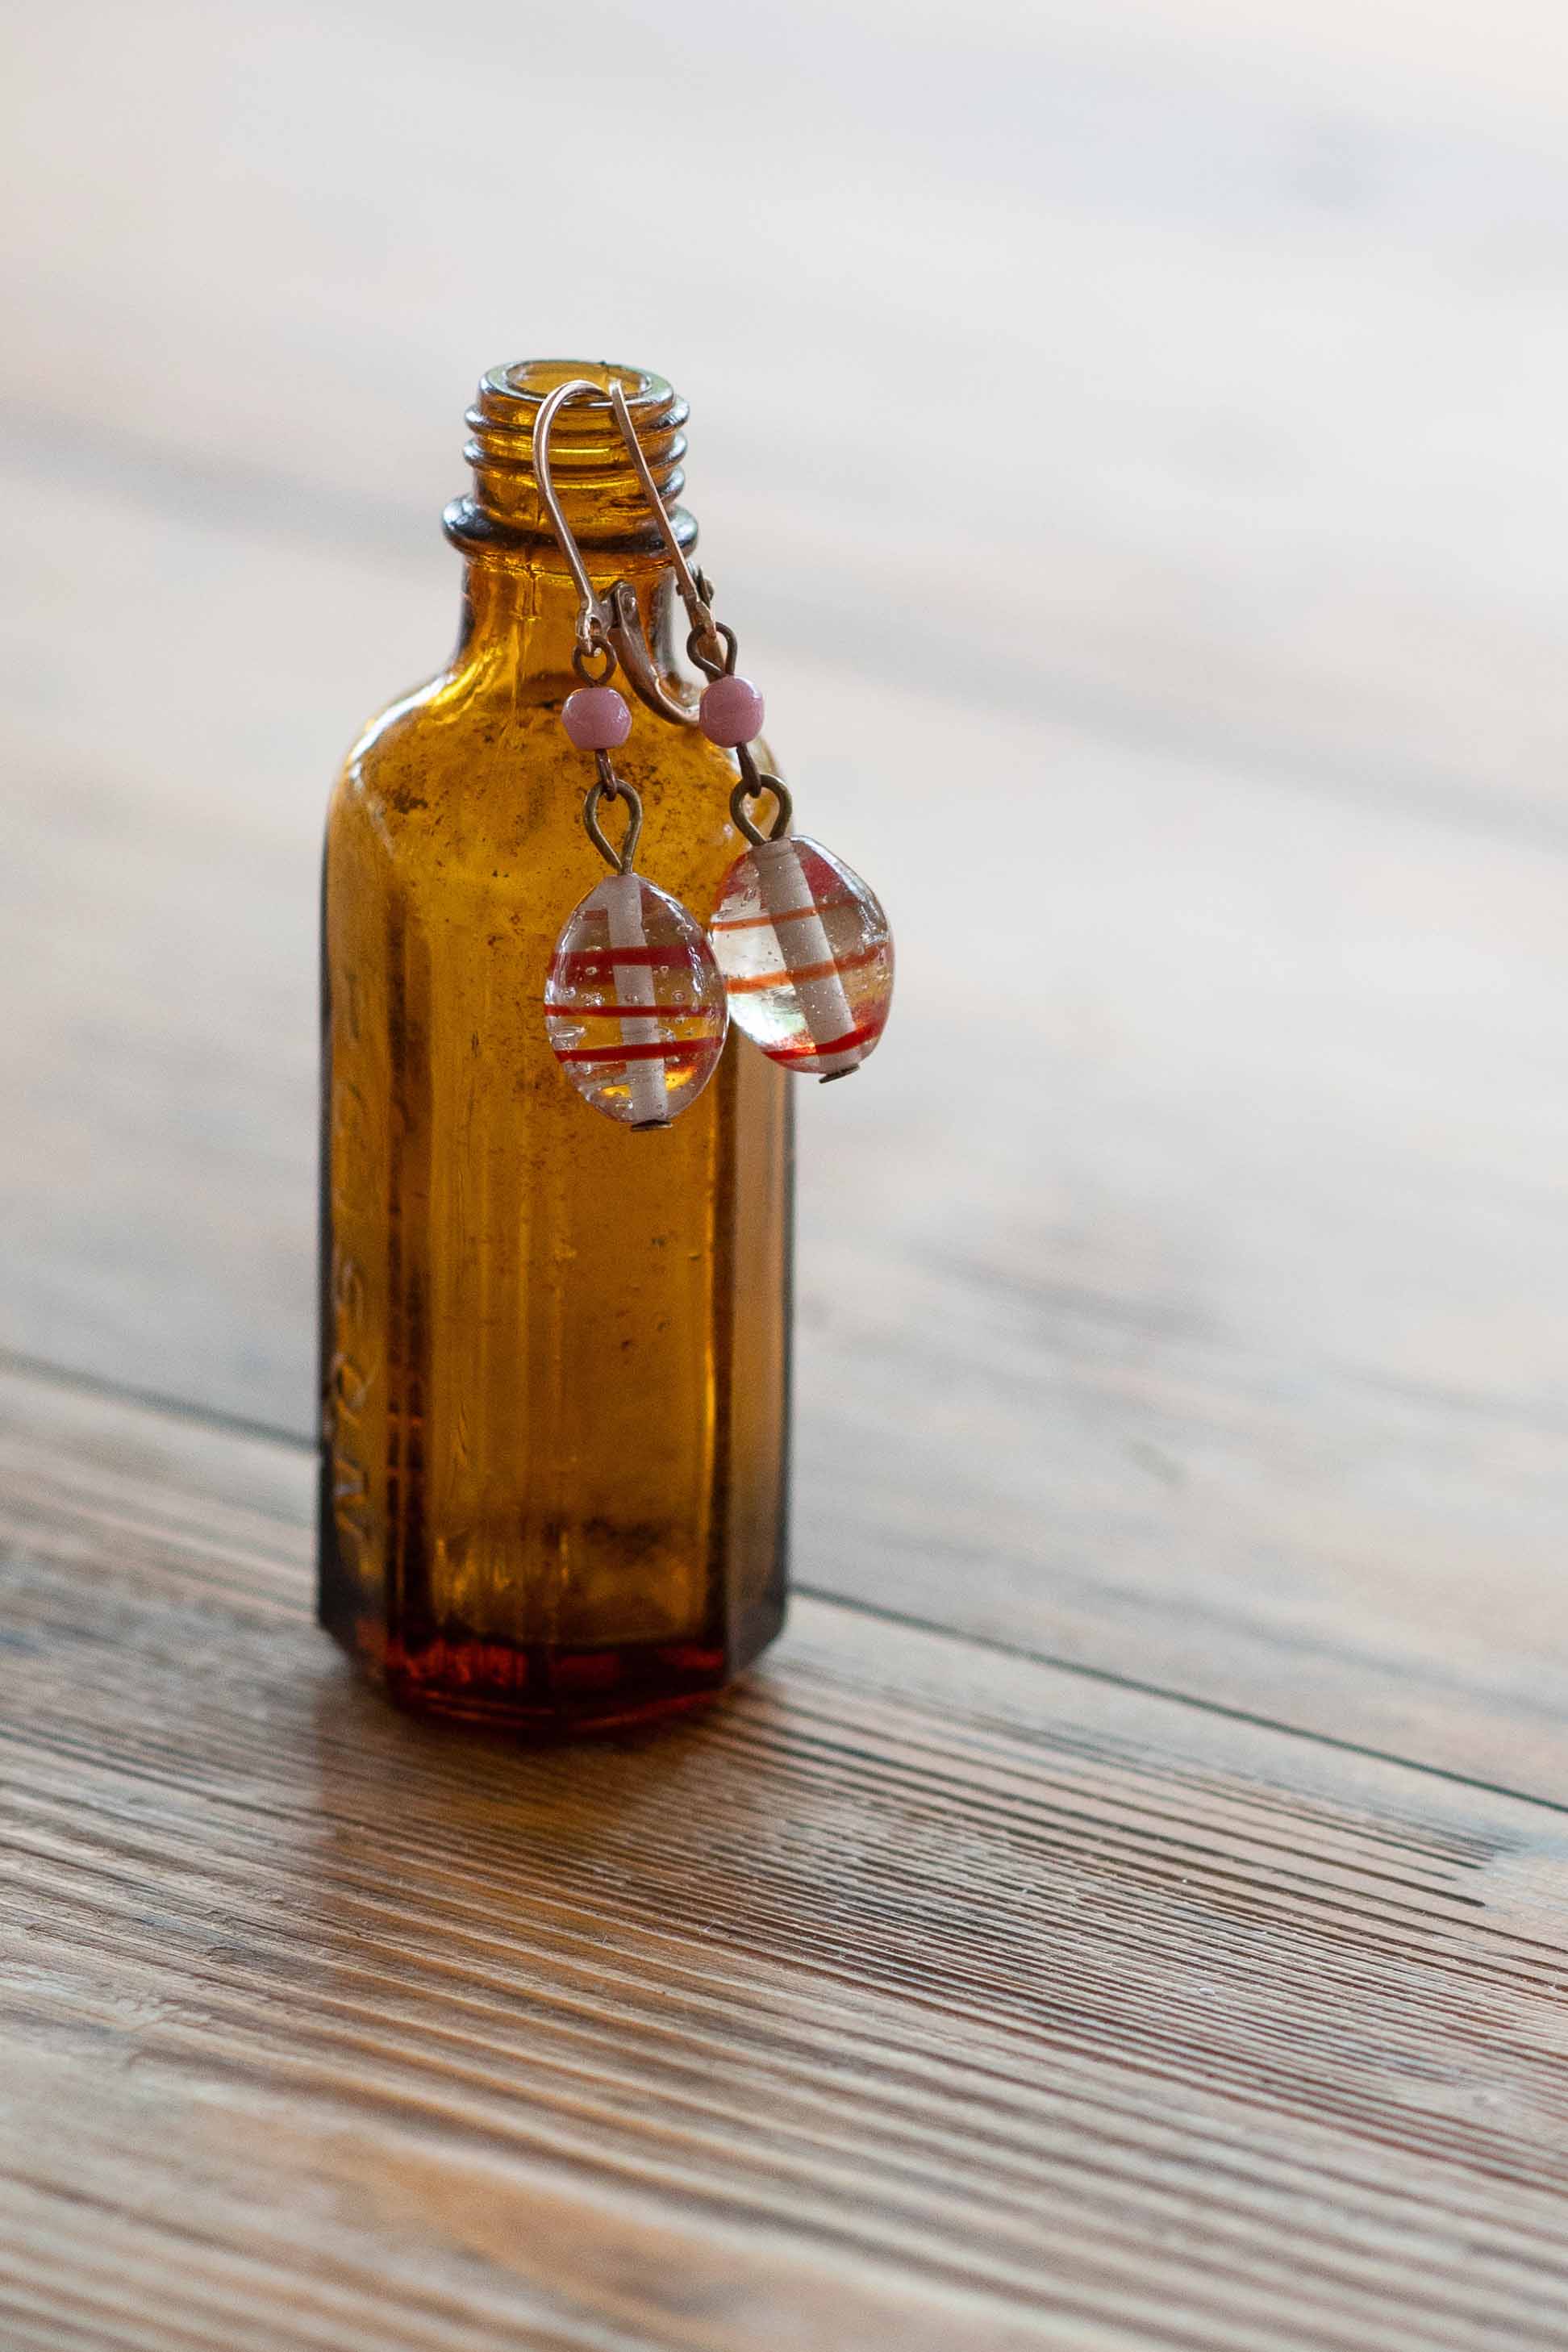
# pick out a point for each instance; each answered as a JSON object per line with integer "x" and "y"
{"x": 472, "y": 777}
{"x": 390, "y": 747}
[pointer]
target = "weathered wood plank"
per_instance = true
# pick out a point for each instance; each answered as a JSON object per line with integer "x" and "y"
{"x": 917, "y": 1990}
{"x": 1197, "y": 1313}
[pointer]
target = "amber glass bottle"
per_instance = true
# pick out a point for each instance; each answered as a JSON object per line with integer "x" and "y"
{"x": 554, "y": 1352}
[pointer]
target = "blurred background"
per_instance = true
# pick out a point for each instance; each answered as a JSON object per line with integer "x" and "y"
{"x": 1128, "y": 440}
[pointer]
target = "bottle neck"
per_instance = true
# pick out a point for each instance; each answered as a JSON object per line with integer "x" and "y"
{"x": 519, "y": 602}
{"x": 520, "y": 619}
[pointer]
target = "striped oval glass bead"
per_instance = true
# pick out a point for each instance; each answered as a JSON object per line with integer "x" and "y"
{"x": 634, "y": 1004}
{"x": 806, "y": 955}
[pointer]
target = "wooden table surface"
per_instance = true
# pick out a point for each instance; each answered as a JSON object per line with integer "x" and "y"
{"x": 1127, "y": 1909}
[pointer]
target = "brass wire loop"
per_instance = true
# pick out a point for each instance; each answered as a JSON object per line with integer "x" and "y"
{"x": 704, "y": 651}
{"x": 609, "y": 786}
{"x": 584, "y": 657}
{"x": 753, "y": 782}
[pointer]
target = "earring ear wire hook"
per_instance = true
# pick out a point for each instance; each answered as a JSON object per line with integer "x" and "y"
{"x": 611, "y": 624}
{"x": 592, "y": 617}
{"x": 696, "y": 594}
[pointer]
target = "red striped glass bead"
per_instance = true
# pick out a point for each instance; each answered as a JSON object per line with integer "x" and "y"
{"x": 634, "y": 1005}
{"x": 806, "y": 955}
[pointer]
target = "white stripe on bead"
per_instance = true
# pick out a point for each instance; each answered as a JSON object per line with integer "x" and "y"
{"x": 634, "y": 985}
{"x": 788, "y": 897}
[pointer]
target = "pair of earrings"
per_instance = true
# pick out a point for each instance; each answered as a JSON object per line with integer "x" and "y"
{"x": 797, "y": 950}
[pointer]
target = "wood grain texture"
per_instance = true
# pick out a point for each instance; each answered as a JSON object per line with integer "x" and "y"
{"x": 916, "y": 1990}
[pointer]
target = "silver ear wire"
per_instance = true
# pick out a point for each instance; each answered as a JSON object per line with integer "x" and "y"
{"x": 611, "y": 624}
{"x": 593, "y": 617}
{"x": 696, "y": 594}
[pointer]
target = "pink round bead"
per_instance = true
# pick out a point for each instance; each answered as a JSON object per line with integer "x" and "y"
{"x": 596, "y": 717}
{"x": 730, "y": 712}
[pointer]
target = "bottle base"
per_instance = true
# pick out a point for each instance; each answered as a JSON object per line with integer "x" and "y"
{"x": 540, "y": 1692}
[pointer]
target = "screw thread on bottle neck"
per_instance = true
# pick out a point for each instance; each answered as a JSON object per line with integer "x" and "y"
{"x": 593, "y": 476}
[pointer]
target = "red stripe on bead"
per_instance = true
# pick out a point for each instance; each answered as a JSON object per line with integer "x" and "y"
{"x": 788, "y": 972}
{"x": 789, "y": 915}
{"x": 812, "y": 1051}
{"x": 625, "y": 1011}
{"x": 588, "y": 959}
{"x": 687, "y": 1049}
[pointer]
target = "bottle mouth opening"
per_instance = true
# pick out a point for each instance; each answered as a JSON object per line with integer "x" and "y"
{"x": 534, "y": 380}
{"x": 593, "y": 476}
